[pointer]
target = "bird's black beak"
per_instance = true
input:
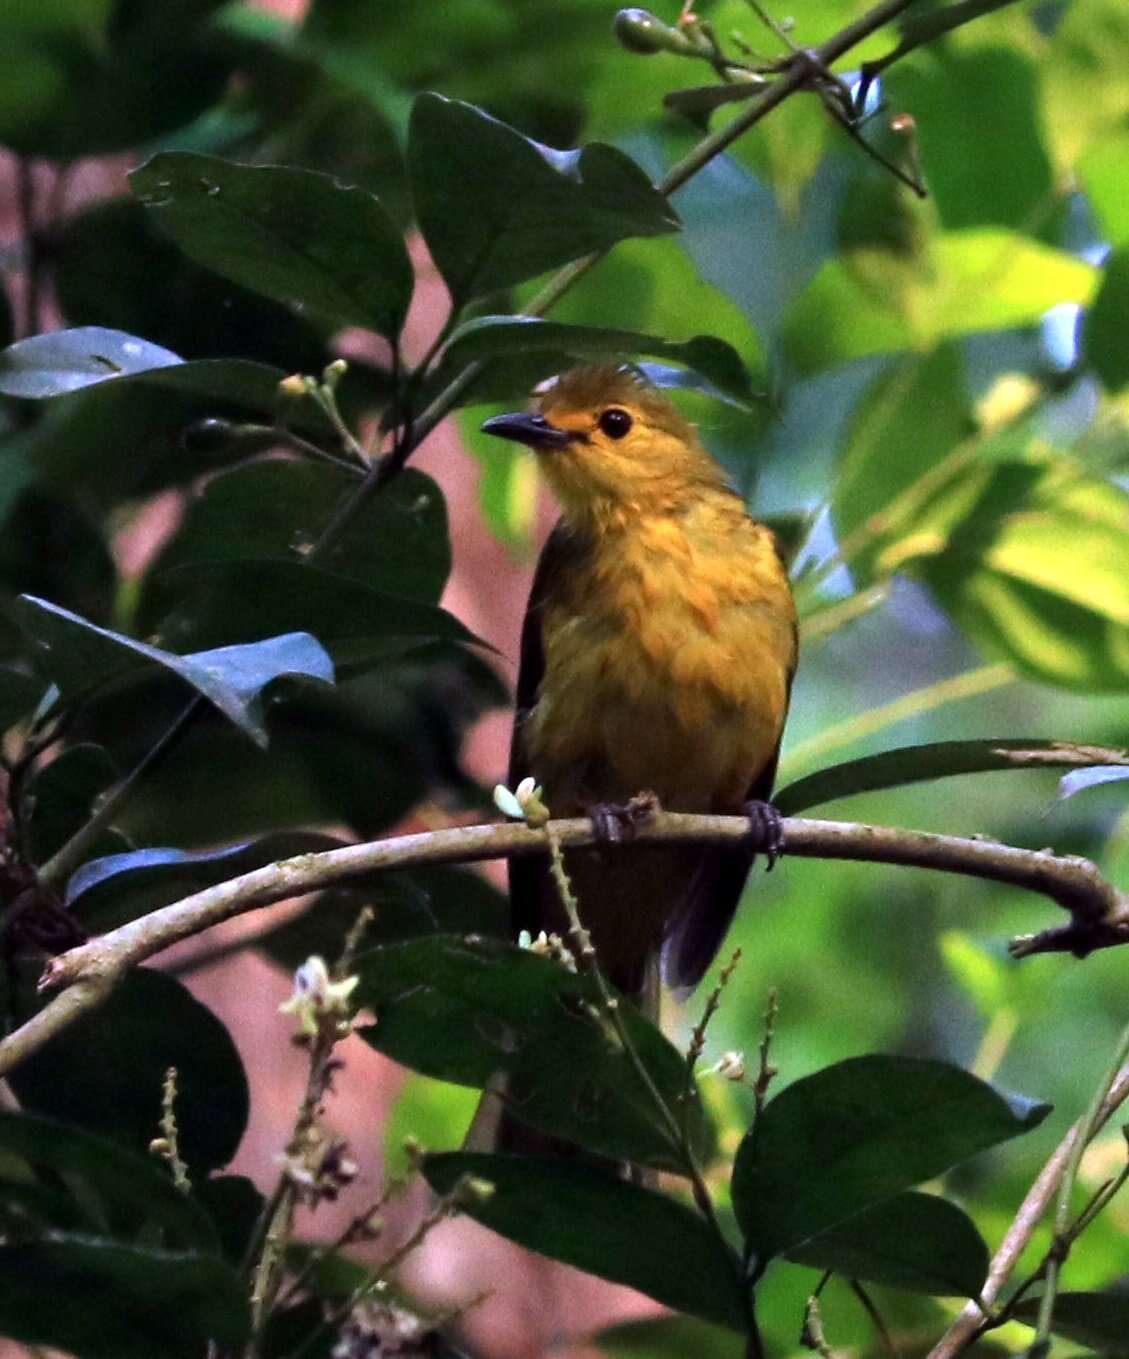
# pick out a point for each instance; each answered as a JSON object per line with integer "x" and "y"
{"x": 525, "y": 428}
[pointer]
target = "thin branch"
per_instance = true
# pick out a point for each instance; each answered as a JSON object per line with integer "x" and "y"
{"x": 1099, "y": 911}
{"x": 968, "y": 1325}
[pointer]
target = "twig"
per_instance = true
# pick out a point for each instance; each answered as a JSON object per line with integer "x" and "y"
{"x": 968, "y": 1325}
{"x": 1099, "y": 910}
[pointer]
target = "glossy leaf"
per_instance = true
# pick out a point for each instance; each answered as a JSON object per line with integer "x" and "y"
{"x": 914, "y": 1241}
{"x": 492, "y": 337}
{"x": 1070, "y": 784}
{"x": 295, "y": 235}
{"x": 118, "y": 1191}
{"x": 596, "y": 1222}
{"x": 858, "y": 1133}
{"x": 67, "y": 360}
{"x": 937, "y": 760}
{"x": 107, "y": 892}
{"x": 1098, "y": 1320}
{"x": 496, "y": 208}
{"x": 109, "y": 1300}
{"x": 80, "y": 657}
{"x": 464, "y": 1009}
{"x": 106, "y": 1074}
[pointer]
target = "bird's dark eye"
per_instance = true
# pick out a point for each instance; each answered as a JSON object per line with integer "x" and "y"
{"x": 615, "y": 422}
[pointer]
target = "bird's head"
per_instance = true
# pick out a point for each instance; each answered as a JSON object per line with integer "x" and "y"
{"x": 611, "y": 443}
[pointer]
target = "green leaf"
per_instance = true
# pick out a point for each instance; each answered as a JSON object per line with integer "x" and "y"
{"x": 19, "y": 695}
{"x": 211, "y": 604}
{"x": 857, "y": 1133}
{"x": 299, "y": 237}
{"x": 108, "y": 1300}
{"x": 914, "y": 1241}
{"x": 80, "y": 658}
{"x": 937, "y": 760}
{"x": 106, "y": 1074}
{"x": 235, "y": 1206}
{"x": 107, "y": 892}
{"x": 496, "y": 208}
{"x": 986, "y": 97}
{"x": 437, "y": 900}
{"x": 1102, "y": 171}
{"x": 908, "y": 419}
{"x": 398, "y": 544}
{"x": 117, "y": 1190}
{"x": 1104, "y": 332}
{"x": 1098, "y": 1320}
{"x": 1036, "y": 569}
{"x": 464, "y": 1009}
{"x": 436, "y": 1114}
{"x": 492, "y": 337}
{"x": 668, "y": 1338}
{"x": 976, "y": 279}
{"x": 67, "y": 360}
{"x": 63, "y": 794}
{"x": 598, "y": 1223}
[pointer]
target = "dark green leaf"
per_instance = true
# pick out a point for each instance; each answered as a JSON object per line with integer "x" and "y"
{"x": 1104, "y": 333}
{"x": 496, "y": 208}
{"x": 669, "y": 1338}
{"x": 107, "y": 1300}
{"x": 398, "y": 544}
{"x": 598, "y": 1223}
{"x": 463, "y": 1009}
{"x": 106, "y": 1074}
{"x": 436, "y": 900}
{"x": 63, "y": 794}
{"x": 66, "y": 360}
{"x": 105, "y": 893}
{"x": 80, "y": 657}
{"x": 491, "y": 337}
{"x": 19, "y": 695}
{"x": 857, "y": 1133}
{"x": 1097, "y": 1320}
{"x": 234, "y": 1205}
{"x": 913, "y": 1241}
{"x": 212, "y": 604}
{"x": 87, "y": 78}
{"x": 294, "y": 235}
{"x": 938, "y": 760}
{"x": 118, "y": 1191}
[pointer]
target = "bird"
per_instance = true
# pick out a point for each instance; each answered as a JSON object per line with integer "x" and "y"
{"x": 657, "y": 655}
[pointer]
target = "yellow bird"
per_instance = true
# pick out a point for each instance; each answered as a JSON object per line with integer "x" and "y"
{"x": 657, "y": 655}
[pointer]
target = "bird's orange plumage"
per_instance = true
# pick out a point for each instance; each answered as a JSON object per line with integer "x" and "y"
{"x": 657, "y": 655}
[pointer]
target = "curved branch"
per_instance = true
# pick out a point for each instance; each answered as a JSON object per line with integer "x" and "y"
{"x": 1099, "y": 912}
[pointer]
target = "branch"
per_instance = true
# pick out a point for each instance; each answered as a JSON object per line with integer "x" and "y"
{"x": 1099, "y": 912}
{"x": 969, "y": 1324}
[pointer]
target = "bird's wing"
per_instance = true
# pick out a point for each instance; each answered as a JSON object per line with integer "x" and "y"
{"x": 529, "y": 885}
{"x": 696, "y": 930}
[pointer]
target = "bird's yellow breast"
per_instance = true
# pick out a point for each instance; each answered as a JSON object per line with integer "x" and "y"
{"x": 668, "y": 655}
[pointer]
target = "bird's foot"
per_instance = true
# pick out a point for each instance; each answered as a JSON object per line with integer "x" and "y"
{"x": 766, "y": 831}
{"x": 613, "y": 822}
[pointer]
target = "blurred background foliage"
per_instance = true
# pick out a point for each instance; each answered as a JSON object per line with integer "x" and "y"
{"x": 942, "y": 426}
